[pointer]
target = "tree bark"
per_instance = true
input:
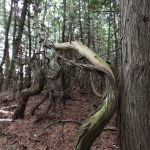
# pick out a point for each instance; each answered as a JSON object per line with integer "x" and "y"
{"x": 25, "y": 94}
{"x": 64, "y": 22}
{"x": 95, "y": 122}
{"x": 7, "y": 27}
{"x": 135, "y": 75}
{"x": 16, "y": 44}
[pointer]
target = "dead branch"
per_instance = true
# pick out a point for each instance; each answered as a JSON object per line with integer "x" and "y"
{"x": 5, "y": 120}
{"x": 6, "y": 112}
{"x": 8, "y": 107}
{"x": 93, "y": 87}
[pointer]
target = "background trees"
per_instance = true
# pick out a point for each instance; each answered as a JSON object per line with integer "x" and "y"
{"x": 93, "y": 23}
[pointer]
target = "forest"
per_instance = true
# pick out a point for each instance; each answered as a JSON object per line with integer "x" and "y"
{"x": 74, "y": 74}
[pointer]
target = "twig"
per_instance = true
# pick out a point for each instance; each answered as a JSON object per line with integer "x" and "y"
{"x": 93, "y": 87}
{"x": 110, "y": 52}
{"x": 114, "y": 147}
{"x": 110, "y": 129}
{"x": 61, "y": 121}
{"x": 56, "y": 122}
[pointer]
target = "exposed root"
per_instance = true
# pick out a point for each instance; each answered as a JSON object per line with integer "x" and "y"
{"x": 37, "y": 106}
{"x": 51, "y": 101}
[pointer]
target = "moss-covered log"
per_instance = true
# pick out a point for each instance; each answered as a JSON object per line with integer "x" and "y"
{"x": 25, "y": 94}
{"x": 95, "y": 123}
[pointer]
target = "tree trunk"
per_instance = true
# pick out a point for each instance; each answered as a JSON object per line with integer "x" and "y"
{"x": 26, "y": 93}
{"x": 28, "y": 68}
{"x": 80, "y": 22}
{"x": 135, "y": 75}
{"x": 94, "y": 123}
{"x": 64, "y": 21}
{"x": 16, "y": 44}
{"x": 5, "y": 58}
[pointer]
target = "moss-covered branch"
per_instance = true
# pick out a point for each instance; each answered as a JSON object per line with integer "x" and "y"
{"x": 25, "y": 94}
{"x": 95, "y": 123}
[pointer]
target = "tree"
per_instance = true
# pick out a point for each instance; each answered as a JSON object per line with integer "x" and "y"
{"x": 16, "y": 44}
{"x": 134, "y": 90}
{"x": 135, "y": 75}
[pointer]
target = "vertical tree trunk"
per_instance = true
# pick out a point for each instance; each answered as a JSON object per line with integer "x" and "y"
{"x": 16, "y": 44}
{"x": 64, "y": 21}
{"x": 88, "y": 29}
{"x": 80, "y": 23}
{"x": 135, "y": 68}
{"x": 20, "y": 70}
{"x": 5, "y": 58}
{"x": 109, "y": 32}
{"x": 30, "y": 50}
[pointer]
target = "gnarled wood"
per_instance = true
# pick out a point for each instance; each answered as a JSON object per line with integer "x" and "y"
{"x": 95, "y": 123}
{"x": 87, "y": 53}
{"x": 25, "y": 94}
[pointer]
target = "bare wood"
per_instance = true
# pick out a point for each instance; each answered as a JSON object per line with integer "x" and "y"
{"x": 5, "y": 120}
{"x": 9, "y": 107}
{"x": 6, "y": 112}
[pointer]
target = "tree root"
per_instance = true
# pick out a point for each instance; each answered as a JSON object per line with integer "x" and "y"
{"x": 37, "y": 106}
{"x": 51, "y": 101}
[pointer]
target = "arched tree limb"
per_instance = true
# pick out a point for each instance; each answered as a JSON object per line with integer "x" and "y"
{"x": 95, "y": 123}
{"x": 88, "y": 54}
{"x": 25, "y": 94}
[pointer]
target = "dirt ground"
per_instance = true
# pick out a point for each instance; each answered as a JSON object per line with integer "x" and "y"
{"x": 27, "y": 135}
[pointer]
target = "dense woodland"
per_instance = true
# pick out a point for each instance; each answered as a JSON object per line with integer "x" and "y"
{"x": 81, "y": 66}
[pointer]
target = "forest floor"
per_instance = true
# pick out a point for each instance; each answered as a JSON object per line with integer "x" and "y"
{"x": 27, "y": 135}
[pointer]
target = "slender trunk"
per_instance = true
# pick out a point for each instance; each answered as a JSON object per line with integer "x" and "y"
{"x": 7, "y": 23}
{"x": 20, "y": 71}
{"x": 7, "y": 27}
{"x": 16, "y": 44}
{"x": 30, "y": 50}
{"x": 89, "y": 29}
{"x": 64, "y": 21}
{"x": 109, "y": 32}
{"x": 80, "y": 23}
